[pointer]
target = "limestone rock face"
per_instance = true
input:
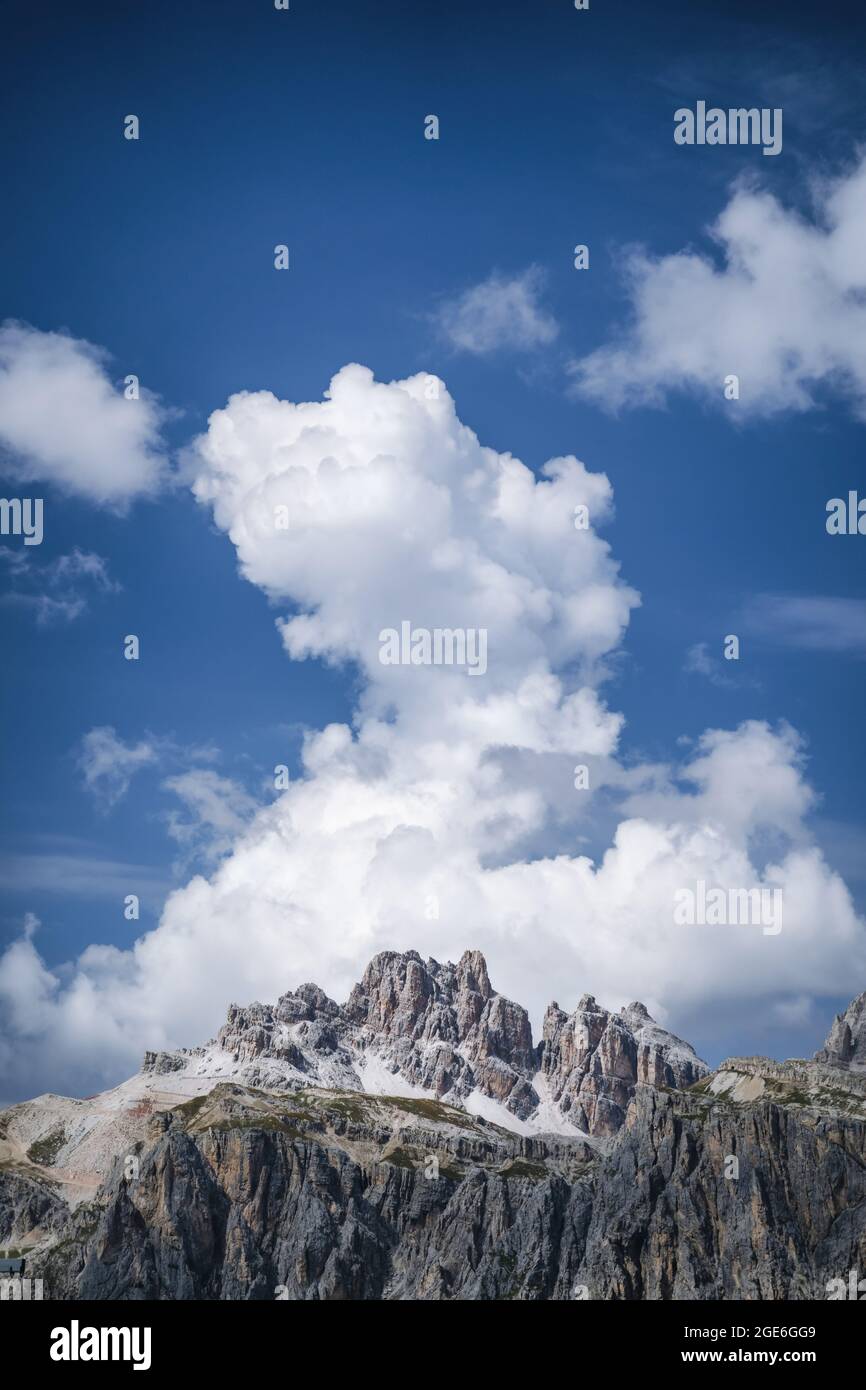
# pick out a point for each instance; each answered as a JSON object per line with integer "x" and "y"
{"x": 845, "y": 1045}
{"x": 324, "y": 1197}
{"x": 751, "y": 1184}
{"x": 445, "y": 1029}
{"x": 160, "y": 1063}
{"x": 593, "y": 1060}
{"x": 302, "y": 1039}
{"x": 409, "y": 1027}
{"x": 442, "y": 1030}
{"x": 334, "y": 1196}
{"x": 672, "y": 1220}
{"x": 29, "y": 1209}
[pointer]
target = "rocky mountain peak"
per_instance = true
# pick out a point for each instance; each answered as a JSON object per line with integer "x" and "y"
{"x": 412, "y": 1028}
{"x": 394, "y": 993}
{"x": 472, "y": 975}
{"x": 438, "y": 1033}
{"x": 637, "y": 1014}
{"x": 442, "y": 1030}
{"x": 351, "y": 1209}
{"x": 845, "y": 1044}
{"x": 315, "y": 1001}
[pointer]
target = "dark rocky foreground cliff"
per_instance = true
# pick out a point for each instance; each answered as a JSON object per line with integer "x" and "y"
{"x": 749, "y": 1183}
{"x": 249, "y": 1196}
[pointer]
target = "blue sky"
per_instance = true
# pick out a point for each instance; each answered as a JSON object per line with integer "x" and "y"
{"x": 306, "y": 127}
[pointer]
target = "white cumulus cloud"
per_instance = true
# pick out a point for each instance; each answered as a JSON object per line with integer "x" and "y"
{"x": 64, "y": 422}
{"x": 781, "y": 306}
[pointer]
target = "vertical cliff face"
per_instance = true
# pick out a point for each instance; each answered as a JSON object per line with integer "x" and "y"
{"x": 727, "y": 1201}
{"x": 749, "y": 1184}
{"x": 30, "y": 1209}
{"x": 333, "y": 1196}
{"x": 845, "y": 1045}
{"x": 336, "y": 1198}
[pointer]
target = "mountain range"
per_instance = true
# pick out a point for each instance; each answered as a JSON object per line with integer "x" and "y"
{"x": 417, "y": 1143}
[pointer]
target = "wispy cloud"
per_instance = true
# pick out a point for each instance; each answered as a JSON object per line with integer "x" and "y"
{"x": 698, "y": 662}
{"x": 80, "y": 873}
{"x": 810, "y": 623}
{"x": 59, "y": 590}
{"x": 215, "y": 811}
{"x": 214, "y": 808}
{"x": 108, "y": 764}
{"x": 500, "y": 312}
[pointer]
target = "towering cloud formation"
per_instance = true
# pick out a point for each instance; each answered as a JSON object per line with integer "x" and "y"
{"x": 419, "y": 826}
{"x": 378, "y": 505}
